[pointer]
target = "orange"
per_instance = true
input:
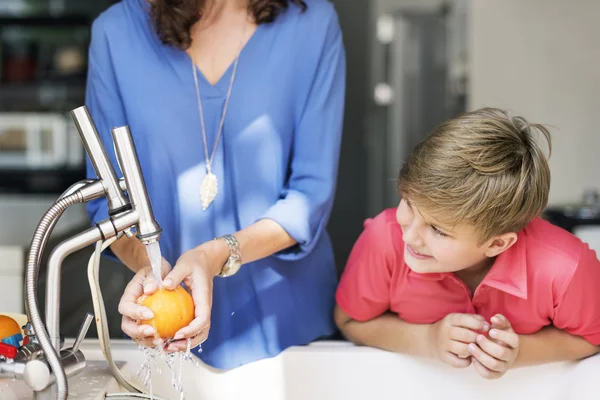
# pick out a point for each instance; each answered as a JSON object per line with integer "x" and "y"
{"x": 8, "y": 327}
{"x": 173, "y": 310}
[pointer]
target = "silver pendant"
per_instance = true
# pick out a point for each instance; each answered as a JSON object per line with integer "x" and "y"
{"x": 208, "y": 189}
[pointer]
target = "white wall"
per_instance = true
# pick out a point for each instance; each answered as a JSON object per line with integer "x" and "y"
{"x": 541, "y": 59}
{"x": 12, "y": 261}
{"x": 21, "y": 214}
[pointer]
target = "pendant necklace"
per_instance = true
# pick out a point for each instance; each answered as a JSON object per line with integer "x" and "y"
{"x": 209, "y": 186}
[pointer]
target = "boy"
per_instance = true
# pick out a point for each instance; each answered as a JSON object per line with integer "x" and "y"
{"x": 464, "y": 269}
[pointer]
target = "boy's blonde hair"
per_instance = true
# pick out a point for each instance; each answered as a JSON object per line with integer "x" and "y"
{"x": 483, "y": 169}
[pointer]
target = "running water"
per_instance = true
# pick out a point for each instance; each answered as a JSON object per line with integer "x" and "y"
{"x": 153, "y": 250}
{"x": 174, "y": 363}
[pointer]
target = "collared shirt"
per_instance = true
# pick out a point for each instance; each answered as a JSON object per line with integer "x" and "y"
{"x": 547, "y": 277}
{"x": 276, "y": 158}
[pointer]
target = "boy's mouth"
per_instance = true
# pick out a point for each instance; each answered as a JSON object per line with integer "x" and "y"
{"x": 416, "y": 254}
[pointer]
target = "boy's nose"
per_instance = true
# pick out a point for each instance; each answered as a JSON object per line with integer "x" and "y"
{"x": 411, "y": 235}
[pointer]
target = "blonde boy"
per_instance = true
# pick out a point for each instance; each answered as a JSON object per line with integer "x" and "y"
{"x": 464, "y": 269}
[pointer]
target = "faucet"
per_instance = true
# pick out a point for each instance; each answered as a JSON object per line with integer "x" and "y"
{"x": 41, "y": 362}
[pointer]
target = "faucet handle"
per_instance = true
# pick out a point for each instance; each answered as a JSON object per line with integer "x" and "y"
{"x": 36, "y": 375}
{"x": 82, "y": 331}
{"x": 99, "y": 159}
{"x": 30, "y": 337}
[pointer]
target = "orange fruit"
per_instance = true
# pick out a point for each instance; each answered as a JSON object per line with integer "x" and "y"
{"x": 173, "y": 310}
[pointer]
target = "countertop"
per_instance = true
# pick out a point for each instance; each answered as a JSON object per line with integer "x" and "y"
{"x": 90, "y": 384}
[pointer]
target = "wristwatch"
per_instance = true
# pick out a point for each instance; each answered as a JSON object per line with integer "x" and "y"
{"x": 234, "y": 262}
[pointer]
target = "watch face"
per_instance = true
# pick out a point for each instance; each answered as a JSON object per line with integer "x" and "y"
{"x": 231, "y": 267}
{"x": 234, "y": 261}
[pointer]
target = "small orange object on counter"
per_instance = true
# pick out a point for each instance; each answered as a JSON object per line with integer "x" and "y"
{"x": 10, "y": 331}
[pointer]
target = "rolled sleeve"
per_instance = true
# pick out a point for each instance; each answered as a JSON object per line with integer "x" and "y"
{"x": 364, "y": 289}
{"x": 578, "y": 309}
{"x": 305, "y": 206}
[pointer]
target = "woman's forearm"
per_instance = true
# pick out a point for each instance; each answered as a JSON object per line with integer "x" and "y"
{"x": 131, "y": 252}
{"x": 262, "y": 239}
{"x": 552, "y": 345}
{"x": 259, "y": 240}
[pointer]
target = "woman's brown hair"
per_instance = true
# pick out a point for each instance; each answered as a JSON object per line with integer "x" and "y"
{"x": 173, "y": 19}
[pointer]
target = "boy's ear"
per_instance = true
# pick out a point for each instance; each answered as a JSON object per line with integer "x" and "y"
{"x": 500, "y": 243}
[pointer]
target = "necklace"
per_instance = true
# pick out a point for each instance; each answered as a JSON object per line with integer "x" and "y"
{"x": 209, "y": 186}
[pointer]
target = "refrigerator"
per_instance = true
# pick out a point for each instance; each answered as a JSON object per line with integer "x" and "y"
{"x": 418, "y": 80}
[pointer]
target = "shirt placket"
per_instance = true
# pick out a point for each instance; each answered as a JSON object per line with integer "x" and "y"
{"x": 478, "y": 300}
{"x": 467, "y": 293}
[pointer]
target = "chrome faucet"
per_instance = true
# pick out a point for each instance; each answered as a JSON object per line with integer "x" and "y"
{"x": 41, "y": 363}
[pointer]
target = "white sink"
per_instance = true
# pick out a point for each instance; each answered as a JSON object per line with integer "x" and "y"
{"x": 339, "y": 370}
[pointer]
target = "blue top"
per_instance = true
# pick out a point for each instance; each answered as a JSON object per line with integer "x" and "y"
{"x": 277, "y": 158}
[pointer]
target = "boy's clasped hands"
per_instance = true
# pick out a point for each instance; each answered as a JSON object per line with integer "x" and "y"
{"x": 464, "y": 339}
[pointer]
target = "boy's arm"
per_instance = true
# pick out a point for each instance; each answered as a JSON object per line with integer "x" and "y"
{"x": 552, "y": 345}
{"x": 446, "y": 340}
{"x": 575, "y": 331}
{"x": 505, "y": 349}
{"x": 386, "y": 332}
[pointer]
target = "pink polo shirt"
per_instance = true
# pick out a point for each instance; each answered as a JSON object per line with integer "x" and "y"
{"x": 548, "y": 277}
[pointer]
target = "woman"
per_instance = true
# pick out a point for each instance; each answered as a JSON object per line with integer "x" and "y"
{"x": 236, "y": 109}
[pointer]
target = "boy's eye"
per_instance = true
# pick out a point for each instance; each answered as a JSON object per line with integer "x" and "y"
{"x": 438, "y": 232}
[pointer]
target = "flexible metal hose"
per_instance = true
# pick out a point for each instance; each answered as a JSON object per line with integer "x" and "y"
{"x": 101, "y": 318}
{"x": 72, "y": 189}
{"x": 38, "y": 242}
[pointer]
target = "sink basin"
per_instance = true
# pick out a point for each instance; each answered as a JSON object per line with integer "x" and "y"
{"x": 332, "y": 371}
{"x": 340, "y": 370}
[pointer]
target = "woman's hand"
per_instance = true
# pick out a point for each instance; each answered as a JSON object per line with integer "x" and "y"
{"x": 142, "y": 283}
{"x": 196, "y": 268}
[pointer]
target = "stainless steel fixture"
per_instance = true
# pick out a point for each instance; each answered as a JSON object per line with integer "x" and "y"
{"x": 42, "y": 364}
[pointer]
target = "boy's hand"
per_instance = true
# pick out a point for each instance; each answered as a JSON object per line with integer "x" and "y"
{"x": 493, "y": 357}
{"x": 450, "y": 337}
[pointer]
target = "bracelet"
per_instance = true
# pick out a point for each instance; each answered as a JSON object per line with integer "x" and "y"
{"x": 234, "y": 261}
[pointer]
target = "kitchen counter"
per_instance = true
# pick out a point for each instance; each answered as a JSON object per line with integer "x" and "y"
{"x": 90, "y": 384}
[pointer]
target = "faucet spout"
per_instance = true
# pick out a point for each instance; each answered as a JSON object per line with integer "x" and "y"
{"x": 148, "y": 230}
